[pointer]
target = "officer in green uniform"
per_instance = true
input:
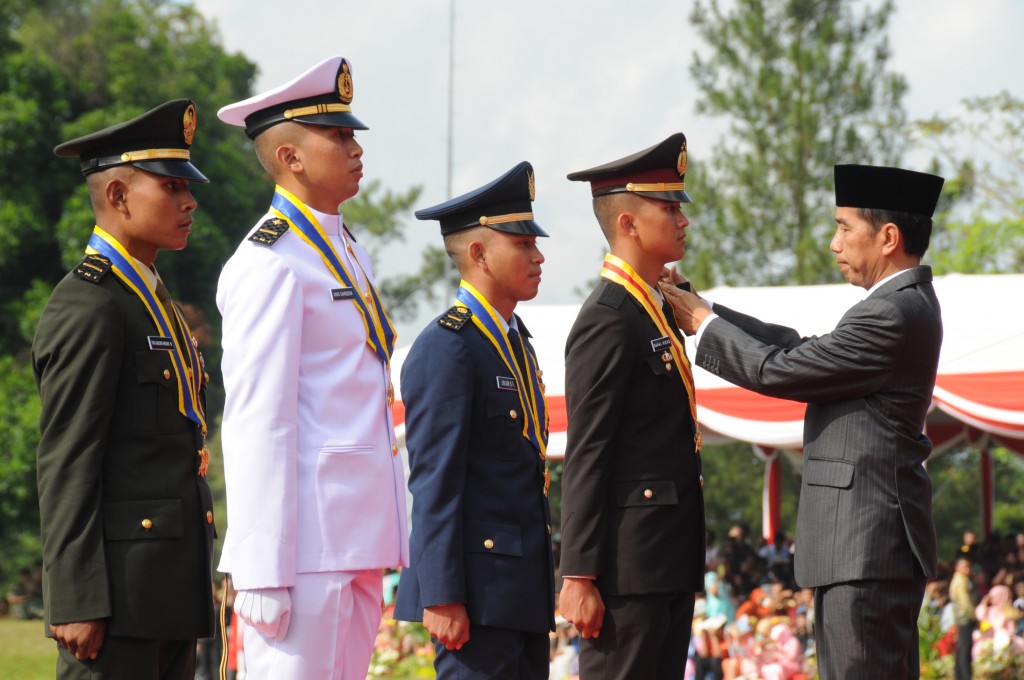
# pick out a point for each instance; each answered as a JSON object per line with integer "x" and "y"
{"x": 126, "y": 513}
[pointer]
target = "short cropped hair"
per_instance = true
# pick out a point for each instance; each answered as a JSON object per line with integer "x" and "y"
{"x": 916, "y": 229}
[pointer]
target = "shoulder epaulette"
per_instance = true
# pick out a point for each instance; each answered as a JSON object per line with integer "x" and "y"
{"x": 612, "y": 296}
{"x": 455, "y": 318}
{"x": 92, "y": 268}
{"x": 269, "y": 231}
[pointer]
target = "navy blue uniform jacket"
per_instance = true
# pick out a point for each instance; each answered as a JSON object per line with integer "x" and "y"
{"x": 476, "y": 482}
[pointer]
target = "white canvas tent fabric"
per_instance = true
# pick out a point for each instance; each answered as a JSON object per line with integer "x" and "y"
{"x": 980, "y": 387}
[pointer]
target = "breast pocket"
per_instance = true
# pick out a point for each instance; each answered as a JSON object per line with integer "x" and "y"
{"x": 155, "y": 402}
{"x": 504, "y": 425}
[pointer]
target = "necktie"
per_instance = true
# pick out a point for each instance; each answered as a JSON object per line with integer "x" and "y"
{"x": 164, "y": 296}
{"x": 517, "y": 350}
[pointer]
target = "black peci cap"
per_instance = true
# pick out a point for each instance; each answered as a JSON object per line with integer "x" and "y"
{"x": 506, "y": 204}
{"x": 158, "y": 141}
{"x": 656, "y": 172}
{"x": 884, "y": 188}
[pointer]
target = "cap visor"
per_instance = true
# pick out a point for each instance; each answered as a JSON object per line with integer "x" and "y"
{"x": 342, "y": 120}
{"x": 179, "y": 169}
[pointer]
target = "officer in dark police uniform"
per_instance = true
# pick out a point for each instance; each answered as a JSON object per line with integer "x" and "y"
{"x": 632, "y": 510}
{"x": 126, "y": 513}
{"x": 481, "y": 573}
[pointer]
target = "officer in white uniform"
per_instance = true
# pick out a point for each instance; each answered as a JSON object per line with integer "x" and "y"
{"x": 315, "y": 490}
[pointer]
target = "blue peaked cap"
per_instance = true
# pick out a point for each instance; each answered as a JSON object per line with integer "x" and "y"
{"x": 506, "y": 204}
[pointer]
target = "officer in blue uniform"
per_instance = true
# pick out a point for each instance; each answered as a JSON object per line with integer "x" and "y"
{"x": 481, "y": 576}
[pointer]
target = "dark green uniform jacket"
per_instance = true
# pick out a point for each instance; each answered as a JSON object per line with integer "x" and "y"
{"x": 116, "y": 456}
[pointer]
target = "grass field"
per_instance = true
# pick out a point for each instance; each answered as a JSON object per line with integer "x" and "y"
{"x": 25, "y": 653}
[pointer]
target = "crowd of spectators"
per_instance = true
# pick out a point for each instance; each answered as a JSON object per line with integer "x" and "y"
{"x": 982, "y": 616}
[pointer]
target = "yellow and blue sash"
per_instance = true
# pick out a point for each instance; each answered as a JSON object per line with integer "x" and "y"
{"x": 531, "y": 396}
{"x": 124, "y": 267}
{"x": 617, "y": 270}
{"x": 380, "y": 334}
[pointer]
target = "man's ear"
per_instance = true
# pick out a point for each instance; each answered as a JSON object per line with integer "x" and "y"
{"x": 625, "y": 224}
{"x": 116, "y": 193}
{"x": 288, "y": 156}
{"x": 892, "y": 238}
{"x": 477, "y": 251}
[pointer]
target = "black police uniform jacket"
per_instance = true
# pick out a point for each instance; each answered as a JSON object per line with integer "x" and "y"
{"x": 480, "y": 521}
{"x": 115, "y": 451}
{"x": 632, "y": 504}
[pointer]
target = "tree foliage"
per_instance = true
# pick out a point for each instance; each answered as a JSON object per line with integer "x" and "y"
{"x": 982, "y": 154}
{"x": 804, "y": 85}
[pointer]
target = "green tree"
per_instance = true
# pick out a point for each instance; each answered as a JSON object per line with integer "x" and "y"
{"x": 982, "y": 150}
{"x": 804, "y": 85}
{"x": 956, "y": 495}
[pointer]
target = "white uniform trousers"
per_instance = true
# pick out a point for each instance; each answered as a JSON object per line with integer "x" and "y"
{"x": 334, "y": 621}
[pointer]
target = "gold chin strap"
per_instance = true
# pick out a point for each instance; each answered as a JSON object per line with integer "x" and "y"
{"x": 660, "y": 186}
{"x": 502, "y": 219}
{"x": 317, "y": 108}
{"x": 154, "y": 154}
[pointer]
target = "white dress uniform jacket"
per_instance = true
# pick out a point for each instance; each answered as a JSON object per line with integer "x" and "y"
{"x": 314, "y": 482}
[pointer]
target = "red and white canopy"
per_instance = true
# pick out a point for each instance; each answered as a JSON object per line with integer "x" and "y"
{"x": 979, "y": 390}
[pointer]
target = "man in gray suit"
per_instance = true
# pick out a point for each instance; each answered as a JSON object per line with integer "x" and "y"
{"x": 865, "y": 535}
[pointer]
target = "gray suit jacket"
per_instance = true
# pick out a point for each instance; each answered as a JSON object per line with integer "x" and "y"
{"x": 865, "y": 498}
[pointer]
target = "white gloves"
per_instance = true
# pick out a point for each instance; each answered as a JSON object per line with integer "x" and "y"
{"x": 268, "y": 610}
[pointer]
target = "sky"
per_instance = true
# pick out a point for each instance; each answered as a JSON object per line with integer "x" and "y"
{"x": 564, "y": 84}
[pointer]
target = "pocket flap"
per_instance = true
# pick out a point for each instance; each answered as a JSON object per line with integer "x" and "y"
{"x": 150, "y": 367}
{"x": 491, "y": 537}
{"x": 135, "y": 520}
{"x": 835, "y": 473}
{"x": 641, "y": 492}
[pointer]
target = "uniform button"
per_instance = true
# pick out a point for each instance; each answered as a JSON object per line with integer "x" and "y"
{"x": 209, "y": 517}
{"x": 394, "y": 449}
{"x": 147, "y": 524}
{"x": 512, "y": 414}
{"x": 668, "y": 367}
{"x": 488, "y": 543}
{"x": 648, "y": 493}
{"x": 206, "y": 377}
{"x": 167, "y": 374}
{"x": 702, "y": 480}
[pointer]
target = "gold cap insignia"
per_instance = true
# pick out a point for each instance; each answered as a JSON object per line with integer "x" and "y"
{"x": 188, "y": 124}
{"x": 532, "y": 185}
{"x": 345, "y": 87}
{"x": 681, "y": 161}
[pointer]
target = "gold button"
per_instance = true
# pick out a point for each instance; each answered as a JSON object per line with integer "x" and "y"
{"x": 512, "y": 414}
{"x": 702, "y": 480}
{"x": 488, "y": 543}
{"x": 209, "y": 517}
{"x": 394, "y": 449}
{"x": 167, "y": 374}
{"x": 668, "y": 367}
{"x": 206, "y": 377}
{"x": 648, "y": 493}
{"x": 147, "y": 524}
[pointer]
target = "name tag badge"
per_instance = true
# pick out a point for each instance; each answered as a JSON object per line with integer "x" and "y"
{"x": 662, "y": 343}
{"x": 158, "y": 342}
{"x": 506, "y": 383}
{"x": 343, "y": 294}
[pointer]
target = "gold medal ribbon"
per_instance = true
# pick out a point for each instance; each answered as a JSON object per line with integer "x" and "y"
{"x": 617, "y": 270}
{"x": 189, "y": 373}
{"x": 531, "y": 397}
{"x": 380, "y": 334}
